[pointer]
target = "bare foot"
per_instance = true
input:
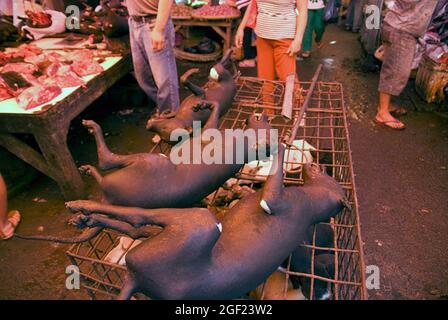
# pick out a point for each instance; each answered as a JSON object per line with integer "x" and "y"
{"x": 389, "y": 121}
{"x": 306, "y": 54}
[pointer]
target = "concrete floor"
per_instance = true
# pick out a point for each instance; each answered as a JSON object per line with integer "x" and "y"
{"x": 401, "y": 180}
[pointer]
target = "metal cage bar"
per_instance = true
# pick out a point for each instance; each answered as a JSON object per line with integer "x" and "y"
{"x": 324, "y": 127}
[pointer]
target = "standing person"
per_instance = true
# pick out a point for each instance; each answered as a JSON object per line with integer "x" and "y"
{"x": 280, "y": 25}
{"x": 152, "y": 44}
{"x": 249, "y": 51}
{"x": 405, "y": 22}
{"x": 315, "y": 23}
{"x": 8, "y": 221}
{"x": 354, "y": 15}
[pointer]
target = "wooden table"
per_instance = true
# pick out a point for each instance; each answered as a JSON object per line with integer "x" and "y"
{"x": 222, "y": 27}
{"x": 50, "y": 128}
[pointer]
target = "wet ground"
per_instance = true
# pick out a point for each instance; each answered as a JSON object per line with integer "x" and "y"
{"x": 401, "y": 180}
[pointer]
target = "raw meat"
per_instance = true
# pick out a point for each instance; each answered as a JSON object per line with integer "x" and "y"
{"x": 38, "y": 19}
{"x": 84, "y": 63}
{"x": 38, "y": 95}
{"x": 85, "y": 68}
{"x": 5, "y": 92}
{"x": 14, "y": 80}
{"x": 20, "y": 67}
{"x": 62, "y": 75}
{"x": 41, "y": 58}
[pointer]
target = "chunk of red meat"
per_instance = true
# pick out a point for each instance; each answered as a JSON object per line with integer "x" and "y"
{"x": 63, "y": 76}
{"x": 4, "y": 93}
{"x": 20, "y": 67}
{"x": 42, "y": 58}
{"x": 85, "y": 68}
{"x": 28, "y": 50}
{"x": 38, "y": 95}
{"x": 82, "y": 55}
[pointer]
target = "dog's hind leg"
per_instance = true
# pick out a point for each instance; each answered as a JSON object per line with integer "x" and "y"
{"x": 196, "y": 90}
{"x": 97, "y": 220}
{"x": 91, "y": 171}
{"x": 213, "y": 120}
{"x": 129, "y": 287}
{"x": 106, "y": 159}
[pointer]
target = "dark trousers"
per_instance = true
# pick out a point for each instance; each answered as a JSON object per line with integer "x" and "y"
{"x": 250, "y": 52}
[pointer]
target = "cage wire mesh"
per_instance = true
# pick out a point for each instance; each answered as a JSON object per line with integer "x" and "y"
{"x": 322, "y": 138}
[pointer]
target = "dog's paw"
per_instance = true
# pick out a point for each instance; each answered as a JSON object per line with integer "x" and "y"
{"x": 86, "y": 170}
{"x": 91, "y": 126}
{"x": 84, "y": 206}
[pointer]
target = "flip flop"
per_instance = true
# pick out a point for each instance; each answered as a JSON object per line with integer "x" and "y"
{"x": 14, "y": 220}
{"x": 247, "y": 63}
{"x": 387, "y": 124}
{"x": 306, "y": 55}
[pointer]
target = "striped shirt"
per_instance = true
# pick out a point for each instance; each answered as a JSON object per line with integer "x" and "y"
{"x": 276, "y": 19}
{"x": 242, "y": 3}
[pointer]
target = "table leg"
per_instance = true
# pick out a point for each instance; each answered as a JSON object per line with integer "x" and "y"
{"x": 53, "y": 146}
{"x": 228, "y": 40}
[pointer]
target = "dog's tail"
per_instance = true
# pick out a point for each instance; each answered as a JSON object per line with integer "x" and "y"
{"x": 85, "y": 236}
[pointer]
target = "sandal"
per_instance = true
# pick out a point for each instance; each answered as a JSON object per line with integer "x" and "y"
{"x": 249, "y": 63}
{"x": 14, "y": 220}
{"x": 306, "y": 54}
{"x": 388, "y": 124}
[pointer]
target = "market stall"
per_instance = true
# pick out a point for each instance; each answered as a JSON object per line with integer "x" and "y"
{"x": 45, "y": 111}
{"x": 220, "y": 18}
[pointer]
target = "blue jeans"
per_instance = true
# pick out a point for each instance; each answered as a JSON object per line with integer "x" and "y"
{"x": 156, "y": 71}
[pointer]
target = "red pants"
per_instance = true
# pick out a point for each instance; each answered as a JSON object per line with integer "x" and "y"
{"x": 274, "y": 64}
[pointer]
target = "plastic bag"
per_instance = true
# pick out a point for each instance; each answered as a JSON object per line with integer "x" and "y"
{"x": 331, "y": 11}
{"x": 57, "y": 26}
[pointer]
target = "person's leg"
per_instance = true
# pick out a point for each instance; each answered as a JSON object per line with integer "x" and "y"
{"x": 399, "y": 49}
{"x": 266, "y": 66}
{"x": 140, "y": 61}
{"x": 319, "y": 26}
{"x": 266, "y": 70}
{"x": 8, "y": 221}
{"x": 164, "y": 69}
{"x": 249, "y": 51}
{"x": 308, "y": 35}
{"x": 358, "y": 15}
{"x": 350, "y": 15}
{"x": 284, "y": 63}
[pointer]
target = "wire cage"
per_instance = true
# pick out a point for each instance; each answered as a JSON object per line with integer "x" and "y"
{"x": 322, "y": 138}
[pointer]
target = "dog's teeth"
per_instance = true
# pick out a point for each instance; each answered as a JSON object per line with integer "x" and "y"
{"x": 265, "y": 207}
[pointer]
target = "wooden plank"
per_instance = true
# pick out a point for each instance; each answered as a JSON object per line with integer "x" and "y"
{"x": 288, "y": 96}
{"x": 52, "y": 142}
{"x": 50, "y": 130}
{"x": 26, "y": 153}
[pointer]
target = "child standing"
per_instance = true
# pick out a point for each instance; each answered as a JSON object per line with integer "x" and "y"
{"x": 314, "y": 24}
